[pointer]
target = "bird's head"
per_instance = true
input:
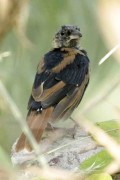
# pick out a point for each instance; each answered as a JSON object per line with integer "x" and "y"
{"x": 67, "y": 36}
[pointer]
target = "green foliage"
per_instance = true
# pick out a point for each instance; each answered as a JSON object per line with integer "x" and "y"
{"x": 97, "y": 162}
{"x": 111, "y": 127}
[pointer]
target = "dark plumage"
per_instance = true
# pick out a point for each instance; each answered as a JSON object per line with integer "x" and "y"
{"x": 59, "y": 85}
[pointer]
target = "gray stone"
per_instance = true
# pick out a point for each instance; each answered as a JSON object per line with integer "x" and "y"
{"x": 75, "y": 149}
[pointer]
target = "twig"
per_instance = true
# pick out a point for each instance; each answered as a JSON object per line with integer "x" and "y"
{"x": 68, "y": 144}
{"x": 4, "y": 55}
{"x": 105, "y": 140}
{"x": 109, "y": 54}
{"x": 113, "y": 168}
{"x": 18, "y": 116}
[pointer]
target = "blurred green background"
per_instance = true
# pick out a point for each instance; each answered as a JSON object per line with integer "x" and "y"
{"x": 18, "y": 70}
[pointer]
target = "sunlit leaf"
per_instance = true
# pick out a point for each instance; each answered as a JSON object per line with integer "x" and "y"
{"x": 111, "y": 127}
{"x": 97, "y": 162}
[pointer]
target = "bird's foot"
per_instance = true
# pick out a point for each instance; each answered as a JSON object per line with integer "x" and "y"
{"x": 50, "y": 127}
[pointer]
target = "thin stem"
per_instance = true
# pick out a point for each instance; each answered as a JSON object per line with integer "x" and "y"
{"x": 18, "y": 116}
{"x": 109, "y": 54}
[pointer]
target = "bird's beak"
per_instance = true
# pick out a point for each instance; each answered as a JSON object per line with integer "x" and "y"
{"x": 76, "y": 35}
{"x": 80, "y": 34}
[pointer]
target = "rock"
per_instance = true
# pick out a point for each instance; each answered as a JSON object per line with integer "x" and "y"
{"x": 71, "y": 151}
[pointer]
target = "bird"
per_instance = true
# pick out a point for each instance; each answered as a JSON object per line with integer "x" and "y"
{"x": 59, "y": 85}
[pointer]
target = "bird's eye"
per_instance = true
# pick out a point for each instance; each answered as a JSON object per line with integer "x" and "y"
{"x": 68, "y": 33}
{"x": 62, "y": 33}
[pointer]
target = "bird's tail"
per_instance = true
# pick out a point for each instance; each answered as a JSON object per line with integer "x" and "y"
{"x": 37, "y": 123}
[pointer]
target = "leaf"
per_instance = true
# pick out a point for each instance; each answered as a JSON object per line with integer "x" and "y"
{"x": 111, "y": 127}
{"x": 97, "y": 162}
{"x": 102, "y": 159}
{"x": 101, "y": 176}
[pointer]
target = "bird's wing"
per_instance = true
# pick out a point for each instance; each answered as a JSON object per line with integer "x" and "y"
{"x": 65, "y": 107}
{"x": 63, "y": 86}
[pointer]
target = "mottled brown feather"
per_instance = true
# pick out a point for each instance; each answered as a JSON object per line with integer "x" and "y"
{"x": 40, "y": 67}
{"x": 68, "y": 58}
{"x": 73, "y": 51}
{"x": 37, "y": 123}
{"x": 21, "y": 141}
{"x": 40, "y": 95}
{"x": 36, "y": 93}
{"x": 69, "y": 101}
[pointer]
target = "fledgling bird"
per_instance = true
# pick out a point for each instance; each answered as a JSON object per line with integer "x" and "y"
{"x": 59, "y": 85}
